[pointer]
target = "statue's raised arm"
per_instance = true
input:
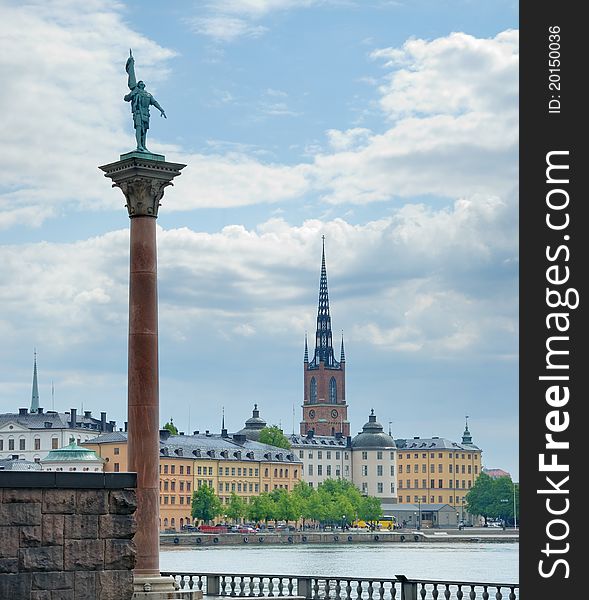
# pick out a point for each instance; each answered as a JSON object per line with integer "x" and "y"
{"x": 130, "y": 68}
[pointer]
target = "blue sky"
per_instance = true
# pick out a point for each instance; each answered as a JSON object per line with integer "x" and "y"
{"x": 389, "y": 127}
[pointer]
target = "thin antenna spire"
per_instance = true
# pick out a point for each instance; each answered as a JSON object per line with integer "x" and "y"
{"x": 306, "y": 359}
{"x": 35, "y": 393}
{"x": 52, "y": 396}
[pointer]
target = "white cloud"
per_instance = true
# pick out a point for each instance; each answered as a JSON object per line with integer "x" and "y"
{"x": 225, "y": 28}
{"x": 62, "y": 91}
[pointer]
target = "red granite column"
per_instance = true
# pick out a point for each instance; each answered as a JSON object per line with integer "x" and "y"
{"x": 143, "y": 390}
{"x": 143, "y": 178}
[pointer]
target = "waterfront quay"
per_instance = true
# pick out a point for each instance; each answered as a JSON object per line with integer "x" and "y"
{"x": 336, "y": 537}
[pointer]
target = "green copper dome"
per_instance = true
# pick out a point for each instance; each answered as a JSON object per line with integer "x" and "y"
{"x": 72, "y": 453}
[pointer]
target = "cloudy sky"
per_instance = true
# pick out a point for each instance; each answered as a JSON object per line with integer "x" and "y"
{"x": 390, "y": 127}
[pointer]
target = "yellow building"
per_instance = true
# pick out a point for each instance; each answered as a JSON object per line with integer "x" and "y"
{"x": 436, "y": 470}
{"x": 226, "y": 463}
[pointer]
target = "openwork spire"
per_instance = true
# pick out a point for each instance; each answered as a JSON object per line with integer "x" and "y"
{"x": 306, "y": 359}
{"x": 323, "y": 337}
{"x": 342, "y": 353}
{"x": 35, "y": 394}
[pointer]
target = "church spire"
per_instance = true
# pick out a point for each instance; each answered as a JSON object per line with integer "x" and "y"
{"x": 323, "y": 336}
{"x": 306, "y": 359}
{"x": 35, "y": 394}
{"x": 342, "y": 353}
{"x": 466, "y": 436}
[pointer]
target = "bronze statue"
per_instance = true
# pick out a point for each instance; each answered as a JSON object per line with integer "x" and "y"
{"x": 140, "y": 102}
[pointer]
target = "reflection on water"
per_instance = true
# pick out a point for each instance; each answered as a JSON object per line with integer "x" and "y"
{"x": 456, "y": 561}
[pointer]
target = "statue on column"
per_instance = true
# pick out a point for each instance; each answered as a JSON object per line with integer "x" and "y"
{"x": 140, "y": 101}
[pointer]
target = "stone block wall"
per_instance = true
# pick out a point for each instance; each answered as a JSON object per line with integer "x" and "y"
{"x": 67, "y": 536}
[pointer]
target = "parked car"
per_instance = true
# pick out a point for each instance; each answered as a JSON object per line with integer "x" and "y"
{"x": 189, "y": 528}
{"x": 246, "y": 529}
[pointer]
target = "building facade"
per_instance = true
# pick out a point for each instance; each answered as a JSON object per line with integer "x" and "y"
{"x": 437, "y": 471}
{"x": 374, "y": 461}
{"x": 228, "y": 464}
{"x": 325, "y": 411}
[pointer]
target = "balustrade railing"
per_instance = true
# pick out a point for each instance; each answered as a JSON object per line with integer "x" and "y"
{"x": 340, "y": 588}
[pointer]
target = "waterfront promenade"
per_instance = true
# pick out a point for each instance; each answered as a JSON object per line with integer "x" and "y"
{"x": 471, "y": 534}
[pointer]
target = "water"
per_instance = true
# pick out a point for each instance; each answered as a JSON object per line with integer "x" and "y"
{"x": 449, "y": 561}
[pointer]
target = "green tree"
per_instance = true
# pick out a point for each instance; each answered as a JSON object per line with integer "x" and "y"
{"x": 261, "y": 508}
{"x": 171, "y": 427}
{"x": 502, "y": 506}
{"x": 370, "y": 509}
{"x": 274, "y": 436}
{"x": 286, "y": 505}
{"x": 205, "y": 504}
{"x": 315, "y": 508}
{"x": 236, "y": 508}
{"x": 481, "y": 497}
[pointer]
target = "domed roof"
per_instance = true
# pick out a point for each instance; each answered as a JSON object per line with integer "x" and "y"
{"x": 373, "y": 435}
{"x": 72, "y": 452}
{"x": 253, "y": 426}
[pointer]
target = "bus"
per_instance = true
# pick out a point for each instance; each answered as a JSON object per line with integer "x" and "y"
{"x": 385, "y": 522}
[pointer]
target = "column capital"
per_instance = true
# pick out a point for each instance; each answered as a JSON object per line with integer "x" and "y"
{"x": 142, "y": 180}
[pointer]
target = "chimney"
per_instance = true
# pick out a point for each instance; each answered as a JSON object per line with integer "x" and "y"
{"x": 73, "y": 417}
{"x": 239, "y": 438}
{"x": 88, "y": 414}
{"x": 207, "y": 432}
{"x": 196, "y": 432}
{"x": 40, "y": 410}
{"x": 23, "y": 411}
{"x": 164, "y": 435}
{"x": 112, "y": 425}
{"x": 310, "y": 433}
{"x": 181, "y": 433}
{"x": 339, "y": 435}
{"x": 126, "y": 425}
{"x": 102, "y": 421}
{"x": 48, "y": 424}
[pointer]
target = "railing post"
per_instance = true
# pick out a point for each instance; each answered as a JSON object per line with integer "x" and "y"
{"x": 408, "y": 588}
{"x": 304, "y": 587}
{"x": 213, "y": 585}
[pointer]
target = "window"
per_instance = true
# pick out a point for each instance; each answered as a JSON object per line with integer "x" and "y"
{"x": 227, "y": 486}
{"x": 38, "y": 444}
{"x": 239, "y": 471}
{"x": 416, "y": 468}
{"x": 181, "y": 499}
{"x": 365, "y": 470}
{"x": 439, "y": 455}
{"x": 256, "y": 472}
{"x": 173, "y": 469}
{"x": 379, "y": 455}
{"x": 400, "y": 469}
{"x": 116, "y": 451}
{"x": 328, "y": 471}
{"x": 181, "y": 486}
{"x": 392, "y": 488}
{"x": 450, "y": 499}
{"x": 424, "y": 468}
{"x": 337, "y": 455}
{"x": 319, "y": 454}
{"x": 251, "y": 472}
{"x": 424, "y": 455}
{"x": 408, "y": 483}
{"x": 440, "y": 468}
{"x": 416, "y": 481}
{"x": 476, "y": 469}
{"x": 187, "y": 470}
{"x": 188, "y": 486}
{"x": 400, "y": 484}
{"x": 392, "y": 456}
{"x": 392, "y": 470}
{"x": 233, "y": 472}
{"x": 313, "y": 391}
{"x": 165, "y": 469}
{"x": 265, "y": 487}
{"x": 432, "y": 483}
{"x": 440, "y": 499}
{"x": 450, "y": 482}
{"x": 117, "y": 467}
{"x": 424, "y": 483}
{"x": 1, "y": 444}
{"x": 173, "y": 486}
{"x": 450, "y": 454}
{"x": 440, "y": 484}
{"x": 364, "y": 455}
{"x": 301, "y": 454}
{"x": 337, "y": 472}
{"x": 310, "y": 454}
{"x": 166, "y": 500}
{"x": 220, "y": 471}
{"x": 365, "y": 488}
{"x": 408, "y": 499}
{"x": 172, "y": 501}
{"x": 239, "y": 487}
{"x": 346, "y": 456}
{"x": 266, "y": 472}
{"x": 328, "y": 455}
{"x": 181, "y": 469}
{"x": 310, "y": 470}
{"x": 226, "y": 471}
{"x": 319, "y": 470}
{"x": 379, "y": 488}
{"x": 379, "y": 470}
{"x": 11, "y": 444}
{"x": 166, "y": 484}
{"x": 414, "y": 456}
{"x": 275, "y": 473}
{"x": 470, "y": 469}
{"x": 450, "y": 468}
{"x": 332, "y": 391}
{"x": 463, "y": 469}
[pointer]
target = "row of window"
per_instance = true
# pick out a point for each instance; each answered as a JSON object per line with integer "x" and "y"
{"x": 432, "y": 499}
{"x": 252, "y": 472}
{"x": 327, "y": 453}
{"x": 465, "y": 483}
{"x": 172, "y": 499}
{"x": 22, "y": 443}
{"x": 171, "y": 485}
{"x": 238, "y": 487}
{"x": 440, "y": 455}
{"x": 332, "y": 391}
{"x": 379, "y": 488}
{"x": 463, "y": 468}
{"x": 379, "y": 470}
{"x": 171, "y": 469}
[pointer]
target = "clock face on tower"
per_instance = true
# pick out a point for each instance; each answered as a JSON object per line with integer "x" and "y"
{"x": 334, "y": 414}
{"x": 311, "y": 414}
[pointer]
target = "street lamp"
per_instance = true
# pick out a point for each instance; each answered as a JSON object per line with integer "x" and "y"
{"x": 419, "y": 505}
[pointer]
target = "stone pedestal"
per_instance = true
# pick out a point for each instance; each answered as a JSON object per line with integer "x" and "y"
{"x": 142, "y": 179}
{"x": 158, "y": 588}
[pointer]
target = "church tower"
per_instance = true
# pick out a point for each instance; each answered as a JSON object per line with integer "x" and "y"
{"x": 324, "y": 405}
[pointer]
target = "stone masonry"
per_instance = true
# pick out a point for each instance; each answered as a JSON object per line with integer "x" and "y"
{"x": 67, "y": 536}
